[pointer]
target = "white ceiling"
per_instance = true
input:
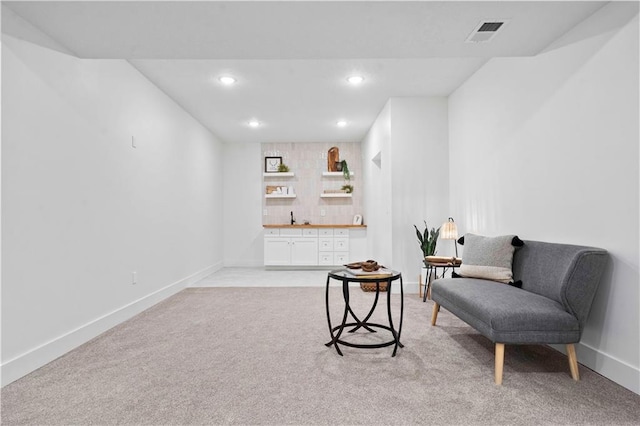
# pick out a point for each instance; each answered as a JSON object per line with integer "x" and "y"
{"x": 291, "y": 58}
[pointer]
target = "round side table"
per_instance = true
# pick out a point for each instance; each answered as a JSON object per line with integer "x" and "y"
{"x": 336, "y": 332}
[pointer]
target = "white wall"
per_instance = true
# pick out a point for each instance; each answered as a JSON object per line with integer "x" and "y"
{"x": 82, "y": 209}
{"x": 411, "y": 183}
{"x": 420, "y": 177}
{"x": 376, "y": 173}
{"x": 547, "y": 148}
{"x": 243, "y": 236}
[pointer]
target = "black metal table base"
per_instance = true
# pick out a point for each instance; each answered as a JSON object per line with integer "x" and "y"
{"x": 432, "y": 274}
{"x": 337, "y": 331}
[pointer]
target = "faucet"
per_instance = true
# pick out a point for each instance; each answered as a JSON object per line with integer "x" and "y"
{"x": 293, "y": 221}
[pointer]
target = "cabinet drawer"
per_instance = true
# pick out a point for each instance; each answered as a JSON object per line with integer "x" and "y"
{"x": 325, "y": 259}
{"x": 326, "y": 232}
{"x": 290, "y": 232}
{"x": 310, "y": 232}
{"x": 273, "y": 232}
{"x": 341, "y": 258}
{"x": 325, "y": 244}
{"x": 341, "y": 244}
{"x": 341, "y": 232}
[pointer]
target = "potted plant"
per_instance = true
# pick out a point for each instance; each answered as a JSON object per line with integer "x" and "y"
{"x": 283, "y": 168}
{"x": 344, "y": 167}
{"x": 428, "y": 240}
{"x": 347, "y": 188}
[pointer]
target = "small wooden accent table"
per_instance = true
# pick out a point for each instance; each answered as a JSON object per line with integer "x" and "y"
{"x": 432, "y": 268}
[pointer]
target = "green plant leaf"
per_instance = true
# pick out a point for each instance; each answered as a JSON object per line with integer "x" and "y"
{"x": 428, "y": 239}
{"x": 426, "y": 231}
{"x": 345, "y": 170}
{"x": 419, "y": 236}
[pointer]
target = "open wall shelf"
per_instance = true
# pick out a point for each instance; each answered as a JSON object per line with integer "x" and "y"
{"x": 280, "y": 196}
{"x": 278, "y": 174}
{"x": 336, "y": 195}
{"x": 335, "y": 174}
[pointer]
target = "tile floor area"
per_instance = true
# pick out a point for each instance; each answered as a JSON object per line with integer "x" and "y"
{"x": 261, "y": 277}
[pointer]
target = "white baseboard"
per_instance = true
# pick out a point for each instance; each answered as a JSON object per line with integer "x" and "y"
{"x": 408, "y": 287}
{"x": 239, "y": 263}
{"x": 29, "y": 361}
{"x": 610, "y": 367}
{"x": 206, "y": 271}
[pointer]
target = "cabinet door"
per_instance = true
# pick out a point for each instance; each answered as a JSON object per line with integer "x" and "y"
{"x": 304, "y": 251}
{"x": 277, "y": 251}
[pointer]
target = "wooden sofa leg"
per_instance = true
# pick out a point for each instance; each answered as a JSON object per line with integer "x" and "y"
{"x": 499, "y": 362}
{"x": 434, "y": 314}
{"x": 573, "y": 362}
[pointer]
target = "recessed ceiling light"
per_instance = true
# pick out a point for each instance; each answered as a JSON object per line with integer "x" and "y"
{"x": 254, "y": 123}
{"x": 227, "y": 80}
{"x": 355, "y": 79}
{"x": 341, "y": 123}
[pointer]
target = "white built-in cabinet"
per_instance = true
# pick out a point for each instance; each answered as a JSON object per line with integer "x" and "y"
{"x": 290, "y": 246}
{"x": 306, "y": 246}
{"x": 333, "y": 245}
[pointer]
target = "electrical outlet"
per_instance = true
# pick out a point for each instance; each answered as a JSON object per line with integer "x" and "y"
{"x": 323, "y": 212}
{"x": 133, "y": 142}
{"x": 134, "y": 278}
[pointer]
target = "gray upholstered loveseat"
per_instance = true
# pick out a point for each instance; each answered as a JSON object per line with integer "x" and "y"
{"x": 559, "y": 282}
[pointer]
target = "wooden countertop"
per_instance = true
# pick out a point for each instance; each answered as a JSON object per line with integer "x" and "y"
{"x": 314, "y": 226}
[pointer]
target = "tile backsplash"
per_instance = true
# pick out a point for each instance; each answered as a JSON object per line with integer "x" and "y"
{"x": 307, "y": 161}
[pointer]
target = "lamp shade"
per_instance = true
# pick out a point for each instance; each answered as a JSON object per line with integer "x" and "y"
{"x": 449, "y": 230}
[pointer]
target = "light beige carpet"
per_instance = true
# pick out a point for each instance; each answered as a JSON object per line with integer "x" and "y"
{"x": 257, "y": 356}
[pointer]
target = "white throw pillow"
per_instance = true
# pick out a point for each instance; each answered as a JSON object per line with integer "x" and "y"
{"x": 489, "y": 258}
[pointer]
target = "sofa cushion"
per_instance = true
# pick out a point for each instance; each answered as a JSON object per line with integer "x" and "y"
{"x": 488, "y": 257}
{"x": 506, "y": 314}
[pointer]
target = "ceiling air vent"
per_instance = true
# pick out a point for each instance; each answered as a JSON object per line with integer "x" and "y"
{"x": 485, "y": 31}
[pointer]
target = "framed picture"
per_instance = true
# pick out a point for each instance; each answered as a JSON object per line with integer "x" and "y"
{"x": 271, "y": 164}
